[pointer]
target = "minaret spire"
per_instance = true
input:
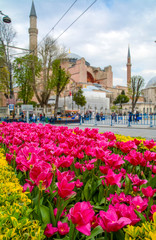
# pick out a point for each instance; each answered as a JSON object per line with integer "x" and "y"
{"x": 33, "y": 31}
{"x": 33, "y": 11}
{"x": 128, "y": 67}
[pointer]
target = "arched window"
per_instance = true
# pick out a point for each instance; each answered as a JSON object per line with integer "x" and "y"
{"x": 90, "y": 77}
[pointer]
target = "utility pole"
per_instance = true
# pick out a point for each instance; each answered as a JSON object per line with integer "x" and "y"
{"x": 11, "y": 87}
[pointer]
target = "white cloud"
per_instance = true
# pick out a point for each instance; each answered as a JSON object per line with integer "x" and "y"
{"x": 101, "y": 35}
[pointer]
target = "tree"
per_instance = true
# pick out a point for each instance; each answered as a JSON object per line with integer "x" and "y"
{"x": 23, "y": 73}
{"x": 113, "y": 108}
{"x": 122, "y": 98}
{"x": 4, "y": 73}
{"x": 122, "y": 92}
{"x": 59, "y": 79}
{"x": 48, "y": 52}
{"x": 136, "y": 85}
{"x": 79, "y": 98}
{"x": 7, "y": 34}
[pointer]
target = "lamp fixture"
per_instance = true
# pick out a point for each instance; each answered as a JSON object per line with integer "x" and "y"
{"x": 6, "y": 19}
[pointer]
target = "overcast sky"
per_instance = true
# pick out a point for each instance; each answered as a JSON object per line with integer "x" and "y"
{"x": 101, "y": 35}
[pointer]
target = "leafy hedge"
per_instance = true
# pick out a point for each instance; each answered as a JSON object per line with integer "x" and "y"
{"x": 146, "y": 231}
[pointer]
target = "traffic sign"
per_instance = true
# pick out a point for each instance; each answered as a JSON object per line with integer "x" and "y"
{"x": 11, "y": 107}
{"x": 26, "y": 107}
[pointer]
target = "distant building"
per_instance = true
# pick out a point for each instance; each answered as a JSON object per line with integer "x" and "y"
{"x": 146, "y": 103}
{"x": 95, "y": 97}
{"x": 82, "y": 74}
{"x": 81, "y": 71}
{"x": 149, "y": 94}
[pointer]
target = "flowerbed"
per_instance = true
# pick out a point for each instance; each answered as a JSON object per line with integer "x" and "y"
{"x": 14, "y": 211}
{"x": 83, "y": 184}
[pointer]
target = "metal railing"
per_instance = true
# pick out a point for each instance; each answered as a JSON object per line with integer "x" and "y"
{"x": 125, "y": 120}
{"x": 148, "y": 120}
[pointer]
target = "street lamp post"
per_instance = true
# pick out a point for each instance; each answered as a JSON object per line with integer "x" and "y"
{"x": 6, "y": 19}
{"x": 11, "y": 87}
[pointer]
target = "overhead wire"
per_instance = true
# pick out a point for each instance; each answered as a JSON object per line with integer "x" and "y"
{"x": 75, "y": 20}
{"x": 57, "y": 22}
{"x": 49, "y": 31}
{"x": 68, "y": 26}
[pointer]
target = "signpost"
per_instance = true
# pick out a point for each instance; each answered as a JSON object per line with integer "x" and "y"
{"x": 27, "y": 109}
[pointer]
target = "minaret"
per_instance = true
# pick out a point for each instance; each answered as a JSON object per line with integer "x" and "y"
{"x": 128, "y": 67}
{"x": 33, "y": 31}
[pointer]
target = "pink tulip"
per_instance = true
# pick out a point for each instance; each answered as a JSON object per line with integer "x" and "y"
{"x": 136, "y": 180}
{"x": 50, "y": 230}
{"x": 136, "y": 189}
{"x": 95, "y": 221}
{"x": 110, "y": 222}
{"x": 80, "y": 155}
{"x": 112, "y": 179}
{"x": 114, "y": 161}
{"x": 115, "y": 198}
{"x": 81, "y": 215}
{"x": 78, "y": 184}
{"x": 139, "y": 203}
{"x": 136, "y": 158}
{"x": 63, "y": 228}
{"x": 104, "y": 169}
{"x": 89, "y": 151}
{"x": 41, "y": 173}
{"x": 110, "y": 135}
{"x": 137, "y": 142}
{"x": 153, "y": 209}
{"x": 62, "y": 214}
{"x": 89, "y": 166}
{"x": 125, "y": 147}
{"x": 65, "y": 161}
{"x": 122, "y": 210}
{"x": 150, "y": 156}
{"x": 100, "y": 153}
{"x": 9, "y": 157}
{"x": 149, "y": 143}
{"x": 65, "y": 189}
{"x": 78, "y": 165}
{"x": 28, "y": 185}
{"x": 69, "y": 175}
{"x": 148, "y": 192}
{"x": 104, "y": 144}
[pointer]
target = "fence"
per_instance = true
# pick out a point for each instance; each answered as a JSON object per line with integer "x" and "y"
{"x": 3, "y": 111}
{"x": 126, "y": 120}
{"x": 148, "y": 120}
{"x": 43, "y": 120}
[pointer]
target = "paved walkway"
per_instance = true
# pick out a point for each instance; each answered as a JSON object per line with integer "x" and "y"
{"x": 134, "y": 131}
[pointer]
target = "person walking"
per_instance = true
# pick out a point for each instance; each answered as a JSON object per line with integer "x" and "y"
{"x": 34, "y": 117}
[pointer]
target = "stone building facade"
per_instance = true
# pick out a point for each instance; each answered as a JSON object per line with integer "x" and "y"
{"x": 81, "y": 71}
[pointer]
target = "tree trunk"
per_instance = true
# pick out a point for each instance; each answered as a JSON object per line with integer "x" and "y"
{"x": 133, "y": 107}
{"x": 56, "y": 105}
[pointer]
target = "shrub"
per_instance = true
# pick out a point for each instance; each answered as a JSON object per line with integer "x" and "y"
{"x": 14, "y": 207}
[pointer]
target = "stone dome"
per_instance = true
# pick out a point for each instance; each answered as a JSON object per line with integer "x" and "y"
{"x": 151, "y": 83}
{"x": 73, "y": 56}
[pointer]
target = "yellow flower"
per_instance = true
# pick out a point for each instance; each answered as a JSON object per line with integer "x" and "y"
{"x": 152, "y": 235}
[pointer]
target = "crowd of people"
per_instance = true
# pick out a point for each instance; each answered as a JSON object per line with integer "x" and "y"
{"x": 88, "y": 115}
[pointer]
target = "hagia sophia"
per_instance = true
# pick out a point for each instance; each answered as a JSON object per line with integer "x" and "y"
{"x": 96, "y": 83}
